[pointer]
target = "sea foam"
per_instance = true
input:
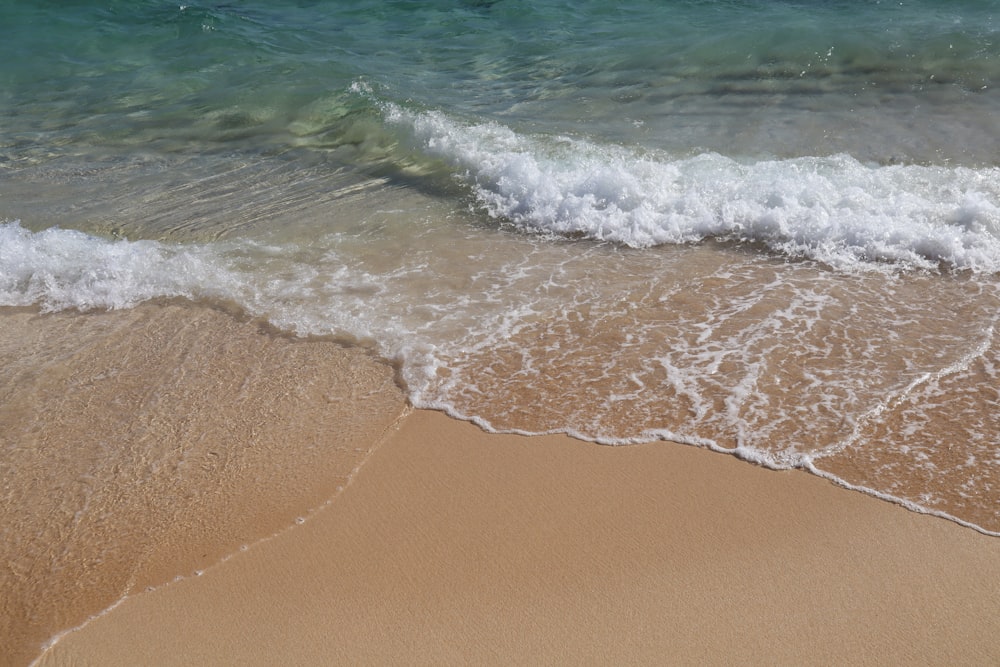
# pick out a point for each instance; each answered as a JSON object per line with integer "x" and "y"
{"x": 58, "y": 269}
{"x": 834, "y": 209}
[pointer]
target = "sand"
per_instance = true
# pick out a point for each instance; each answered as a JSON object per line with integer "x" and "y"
{"x": 139, "y": 445}
{"x": 458, "y": 547}
{"x": 449, "y": 545}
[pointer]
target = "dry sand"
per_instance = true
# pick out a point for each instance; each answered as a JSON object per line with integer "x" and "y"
{"x": 457, "y": 547}
{"x": 446, "y": 545}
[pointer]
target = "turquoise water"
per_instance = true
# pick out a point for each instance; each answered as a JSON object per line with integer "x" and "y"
{"x": 743, "y": 78}
{"x": 767, "y": 228}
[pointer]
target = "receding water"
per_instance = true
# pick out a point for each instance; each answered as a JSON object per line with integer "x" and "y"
{"x": 768, "y": 228}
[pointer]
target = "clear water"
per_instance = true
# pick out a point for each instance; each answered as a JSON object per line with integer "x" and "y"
{"x": 768, "y": 228}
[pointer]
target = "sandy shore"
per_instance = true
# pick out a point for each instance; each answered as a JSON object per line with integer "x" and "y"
{"x": 143, "y": 445}
{"x": 140, "y": 445}
{"x": 453, "y": 546}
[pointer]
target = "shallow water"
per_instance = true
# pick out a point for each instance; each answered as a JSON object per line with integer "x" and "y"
{"x": 768, "y": 228}
{"x": 137, "y": 445}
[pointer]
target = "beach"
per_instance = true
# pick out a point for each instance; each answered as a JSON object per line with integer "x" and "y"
{"x": 499, "y": 332}
{"x": 141, "y": 445}
{"x": 444, "y": 544}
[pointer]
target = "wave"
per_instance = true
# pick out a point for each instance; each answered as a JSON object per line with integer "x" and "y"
{"x": 58, "y": 269}
{"x": 303, "y": 289}
{"x": 833, "y": 209}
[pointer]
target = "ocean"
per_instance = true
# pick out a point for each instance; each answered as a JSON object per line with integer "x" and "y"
{"x": 767, "y": 228}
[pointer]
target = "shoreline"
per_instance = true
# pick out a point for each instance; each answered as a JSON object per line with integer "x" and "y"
{"x": 346, "y": 526}
{"x": 455, "y": 546}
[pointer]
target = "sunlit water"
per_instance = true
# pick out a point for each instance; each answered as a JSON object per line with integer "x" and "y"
{"x": 768, "y": 228}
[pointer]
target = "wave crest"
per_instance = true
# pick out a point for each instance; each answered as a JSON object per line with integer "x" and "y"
{"x": 832, "y": 209}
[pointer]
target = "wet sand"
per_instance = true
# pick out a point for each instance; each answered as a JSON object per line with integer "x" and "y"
{"x": 141, "y": 445}
{"x": 442, "y": 544}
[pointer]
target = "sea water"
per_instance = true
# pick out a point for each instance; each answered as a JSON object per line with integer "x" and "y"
{"x": 767, "y": 228}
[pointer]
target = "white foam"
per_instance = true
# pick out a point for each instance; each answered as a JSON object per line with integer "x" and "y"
{"x": 58, "y": 269}
{"x": 326, "y": 294}
{"x": 833, "y": 209}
